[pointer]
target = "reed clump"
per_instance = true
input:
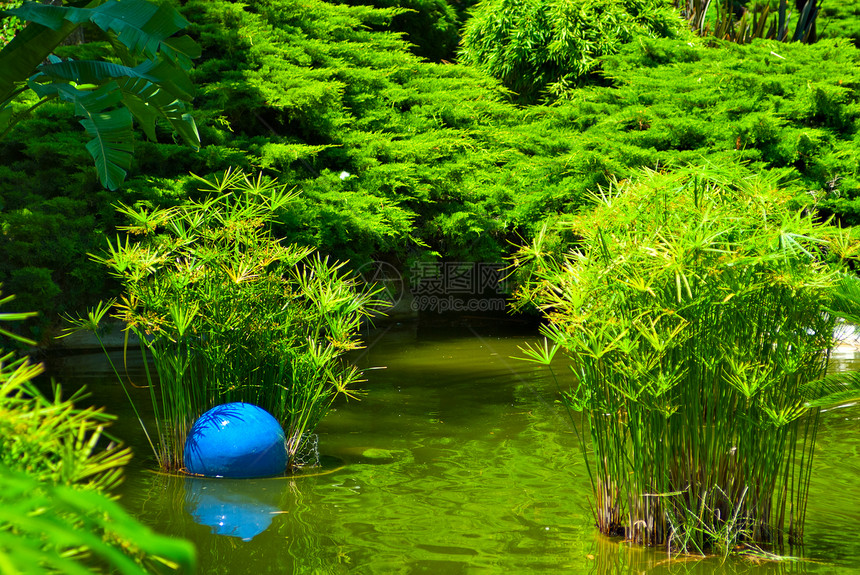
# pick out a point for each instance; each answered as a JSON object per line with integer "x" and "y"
{"x": 225, "y": 312}
{"x": 690, "y": 308}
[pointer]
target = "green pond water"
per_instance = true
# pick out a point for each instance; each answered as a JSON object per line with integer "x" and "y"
{"x": 457, "y": 460}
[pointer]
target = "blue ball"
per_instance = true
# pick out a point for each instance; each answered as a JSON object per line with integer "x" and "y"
{"x": 236, "y": 440}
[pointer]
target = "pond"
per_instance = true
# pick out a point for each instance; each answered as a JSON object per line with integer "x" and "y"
{"x": 457, "y": 460}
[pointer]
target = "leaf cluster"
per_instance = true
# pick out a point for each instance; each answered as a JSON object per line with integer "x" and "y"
{"x": 59, "y": 529}
{"x": 49, "y": 438}
{"x": 150, "y": 84}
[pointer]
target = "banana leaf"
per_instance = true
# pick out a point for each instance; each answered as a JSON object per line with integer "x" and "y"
{"x": 111, "y": 129}
{"x": 157, "y": 87}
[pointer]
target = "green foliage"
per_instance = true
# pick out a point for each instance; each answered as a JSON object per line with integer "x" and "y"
{"x": 105, "y": 95}
{"x": 542, "y": 49}
{"x": 842, "y": 387}
{"x": 229, "y": 313}
{"x": 9, "y": 26}
{"x": 840, "y": 20}
{"x": 439, "y": 163}
{"x": 54, "y": 473}
{"x": 6, "y": 316}
{"x": 58, "y": 529}
{"x": 313, "y": 94}
{"x": 431, "y": 26}
{"x": 50, "y": 439}
{"x": 691, "y": 312}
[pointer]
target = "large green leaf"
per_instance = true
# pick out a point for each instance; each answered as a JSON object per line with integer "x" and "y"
{"x": 148, "y": 94}
{"x": 47, "y": 15}
{"x": 147, "y": 102}
{"x": 111, "y": 146}
{"x": 140, "y": 25}
{"x": 181, "y": 50}
{"x": 168, "y": 77}
{"x": 157, "y": 87}
{"x": 29, "y": 48}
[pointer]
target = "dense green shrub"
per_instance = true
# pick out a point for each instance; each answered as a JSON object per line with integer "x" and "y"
{"x": 438, "y": 162}
{"x": 548, "y": 48}
{"x": 431, "y": 26}
{"x": 840, "y": 20}
{"x": 313, "y": 94}
{"x": 787, "y": 107}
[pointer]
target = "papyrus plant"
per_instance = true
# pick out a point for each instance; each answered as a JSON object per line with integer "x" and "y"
{"x": 691, "y": 313}
{"x": 226, "y": 312}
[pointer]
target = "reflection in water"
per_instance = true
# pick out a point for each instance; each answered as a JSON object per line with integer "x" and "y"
{"x": 234, "y": 507}
{"x": 243, "y": 526}
{"x": 612, "y": 556}
{"x": 458, "y": 460}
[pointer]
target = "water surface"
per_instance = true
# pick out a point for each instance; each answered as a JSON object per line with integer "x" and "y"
{"x": 457, "y": 460}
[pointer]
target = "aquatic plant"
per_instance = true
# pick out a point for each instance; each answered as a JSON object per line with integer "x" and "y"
{"x": 227, "y": 313}
{"x": 690, "y": 309}
{"x": 55, "y": 476}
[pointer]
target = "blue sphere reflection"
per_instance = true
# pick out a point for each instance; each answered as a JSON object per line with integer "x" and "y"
{"x": 242, "y": 509}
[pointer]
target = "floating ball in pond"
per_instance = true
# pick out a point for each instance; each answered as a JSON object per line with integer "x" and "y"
{"x": 236, "y": 440}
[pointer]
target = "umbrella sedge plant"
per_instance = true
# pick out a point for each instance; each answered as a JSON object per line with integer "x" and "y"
{"x": 690, "y": 312}
{"x": 225, "y": 312}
